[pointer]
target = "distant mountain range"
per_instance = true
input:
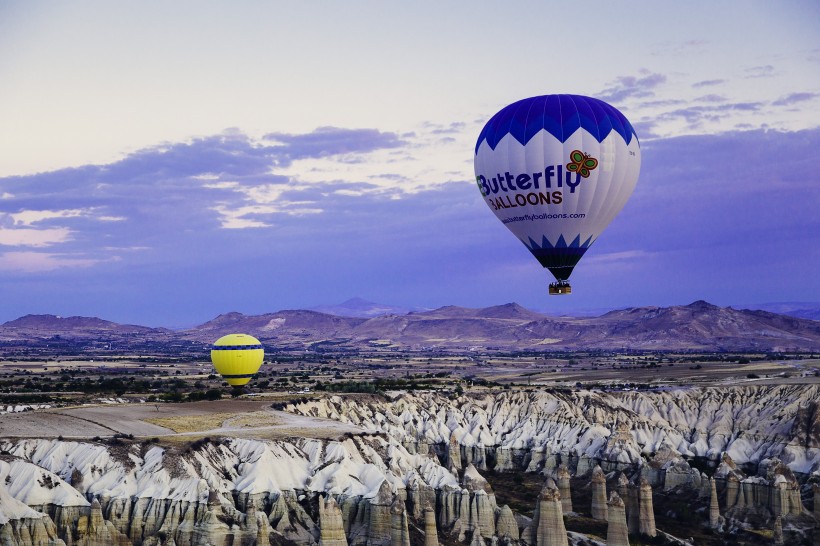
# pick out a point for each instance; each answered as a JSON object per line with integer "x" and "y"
{"x": 358, "y": 307}
{"x": 806, "y": 310}
{"x": 697, "y": 326}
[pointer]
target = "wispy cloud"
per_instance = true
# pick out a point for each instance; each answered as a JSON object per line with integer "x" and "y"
{"x": 39, "y": 262}
{"x": 713, "y": 98}
{"x": 33, "y": 237}
{"x": 30, "y": 217}
{"x": 763, "y": 71}
{"x": 709, "y": 111}
{"x": 631, "y": 87}
{"x": 708, "y": 83}
{"x": 155, "y": 196}
{"x": 331, "y": 141}
{"x": 795, "y": 98}
{"x": 625, "y": 256}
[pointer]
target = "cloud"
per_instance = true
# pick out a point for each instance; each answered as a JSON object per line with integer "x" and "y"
{"x": 713, "y": 98}
{"x": 716, "y": 112}
{"x": 611, "y": 259}
{"x": 795, "y": 98}
{"x": 708, "y": 83}
{"x": 395, "y": 229}
{"x": 646, "y": 100}
{"x": 331, "y": 141}
{"x": 450, "y": 129}
{"x": 39, "y": 262}
{"x": 764, "y": 71}
{"x": 33, "y": 237}
{"x": 687, "y": 47}
{"x": 29, "y": 217}
{"x": 631, "y": 87}
{"x": 226, "y": 181}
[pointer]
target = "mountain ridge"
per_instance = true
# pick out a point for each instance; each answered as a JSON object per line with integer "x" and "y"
{"x": 697, "y": 326}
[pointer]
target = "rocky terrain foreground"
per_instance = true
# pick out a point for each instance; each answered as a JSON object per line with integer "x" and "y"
{"x": 743, "y": 465}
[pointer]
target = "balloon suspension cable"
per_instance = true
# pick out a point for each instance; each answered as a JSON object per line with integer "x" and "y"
{"x": 560, "y": 288}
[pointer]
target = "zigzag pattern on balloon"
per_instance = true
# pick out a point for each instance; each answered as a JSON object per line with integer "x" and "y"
{"x": 561, "y": 257}
{"x": 560, "y": 243}
{"x": 559, "y": 115}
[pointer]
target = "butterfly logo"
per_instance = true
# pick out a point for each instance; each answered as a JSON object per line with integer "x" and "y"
{"x": 581, "y": 163}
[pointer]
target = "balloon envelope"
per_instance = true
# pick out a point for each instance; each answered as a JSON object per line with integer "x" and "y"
{"x": 237, "y": 357}
{"x": 556, "y": 169}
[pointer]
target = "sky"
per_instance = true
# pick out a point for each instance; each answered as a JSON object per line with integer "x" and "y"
{"x": 165, "y": 162}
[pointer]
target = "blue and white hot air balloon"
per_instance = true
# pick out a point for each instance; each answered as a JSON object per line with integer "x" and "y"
{"x": 556, "y": 169}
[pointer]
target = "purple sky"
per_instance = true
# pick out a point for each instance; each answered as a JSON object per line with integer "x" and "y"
{"x": 263, "y": 159}
{"x": 730, "y": 218}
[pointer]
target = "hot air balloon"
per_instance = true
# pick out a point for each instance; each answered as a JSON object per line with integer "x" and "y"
{"x": 556, "y": 169}
{"x": 237, "y": 357}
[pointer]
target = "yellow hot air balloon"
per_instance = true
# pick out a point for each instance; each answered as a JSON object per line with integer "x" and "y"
{"x": 237, "y": 357}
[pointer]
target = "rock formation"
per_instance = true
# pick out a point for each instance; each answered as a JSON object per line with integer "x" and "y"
{"x": 633, "y": 512}
{"x": 399, "y": 533}
{"x": 419, "y": 495}
{"x": 212, "y": 527}
{"x": 331, "y": 525}
{"x": 697, "y": 422}
{"x": 775, "y": 489}
{"x": 599, "y": 508}
{"x": 430, "y": 531}
{"x": 622, "y": 486}
{"x": 242, "y": 491}
{"x": 647, "y": 511}
{"x": 777, "y": 532}
{"x": 669, "y": 470}
{"x": 480, "y": 512}
{"x": 380, "y": 524}
{"x": 453, "y": 454}
{"x": 96, "y": 531}
{"x": 732, "y": 491}
{"x": 563, "y": 480}
{"x": 506, "y": 528}
{"x": 288, "y": 518}
{"x": 236, "y": 490}
{"x": 20, "y": 524}
{"x": 816, "y": 488}
{"x": 477, "y": 539}
{"x": 714, "y": 508}
{"x": 629, "y": 496}
{"x": 620, "y": 450}
{"x": 784, "y": 489}
{"x": 550, "y": 530}
{"x": 617, "y": 533}
{"x": 504, "y": 459}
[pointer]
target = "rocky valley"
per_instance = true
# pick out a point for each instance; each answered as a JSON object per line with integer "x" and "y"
{"x": 538, "y": 467}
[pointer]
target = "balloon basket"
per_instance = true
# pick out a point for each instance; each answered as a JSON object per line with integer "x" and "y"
{"x": 560, "y": 288}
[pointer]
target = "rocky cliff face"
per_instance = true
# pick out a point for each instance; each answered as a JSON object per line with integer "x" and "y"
{"x": 231, "y": 492}
{"x": 616, "y": 532}
{"x": 420, "y": 471}
{"x": 537, "y": 430}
